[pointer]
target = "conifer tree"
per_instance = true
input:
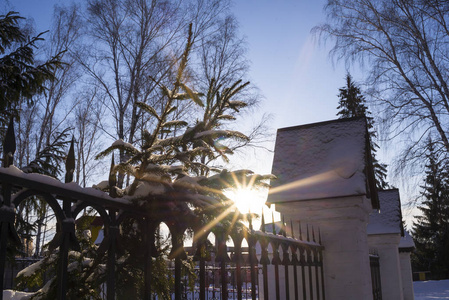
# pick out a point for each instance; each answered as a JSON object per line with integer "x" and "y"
{"x": 431, "y": 229}
{"x": 20, "y": 77}
{"x": 352, "y": 104}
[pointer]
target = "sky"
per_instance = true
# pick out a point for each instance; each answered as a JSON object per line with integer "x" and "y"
{"x": 297, "y": 79}
{"x": 294, "y": 73}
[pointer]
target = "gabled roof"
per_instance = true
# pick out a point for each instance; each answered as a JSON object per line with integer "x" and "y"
{"x": 389, "y": 218}
{"x": 323, "y": 160}
{"x": 406, "y": 244}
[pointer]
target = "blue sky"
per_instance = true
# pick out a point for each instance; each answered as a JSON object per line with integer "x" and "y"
{"x": 294, "y": 73}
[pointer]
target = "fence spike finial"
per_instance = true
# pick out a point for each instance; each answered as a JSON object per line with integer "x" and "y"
{"x": 300, "y": 231}
{"x": 319, "y": 235}
{"x": 291, "y": 228}
{"x": 308, "y": 236}
{"x": 263, "y": 221}
{"x": 284, "y": 227}
{"x": 70, "y": 163}
{"x": 250, "y": 220}
{"x": 272, "y": 221}
{"x": 9, "y": 144}
{"x": 313, "y": 234}
{"x": 112, "y": 179}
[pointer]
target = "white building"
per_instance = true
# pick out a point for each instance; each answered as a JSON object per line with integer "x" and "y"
{"x": 326, "y": 179}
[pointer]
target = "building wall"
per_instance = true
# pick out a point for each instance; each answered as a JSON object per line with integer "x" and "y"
{"x": 407, "y": 275}
{"x": 342, "y": 223}
{"x": 386, "y": 246}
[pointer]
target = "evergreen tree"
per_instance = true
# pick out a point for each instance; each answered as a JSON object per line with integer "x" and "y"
{"x": 352, "y": 104}
{"x": 20, "y": 80}
{"x": 20, "y": 77}
{"x": 431, "y": 229}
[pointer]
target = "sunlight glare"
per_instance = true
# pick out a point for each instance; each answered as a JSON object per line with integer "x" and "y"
{"x": 245, "y": 200}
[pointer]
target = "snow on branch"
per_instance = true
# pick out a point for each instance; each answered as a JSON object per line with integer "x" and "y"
{"x": 119, "y": 144}
{"x": 222, "y": 133}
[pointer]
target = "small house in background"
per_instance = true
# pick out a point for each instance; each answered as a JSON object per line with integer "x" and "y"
{"x": 326, "y": 179}
{"x": 386, "y": 235}
{"x": 96, "y": 226}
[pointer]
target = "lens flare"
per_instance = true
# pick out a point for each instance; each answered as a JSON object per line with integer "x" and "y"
{"x": 245, "y": 199}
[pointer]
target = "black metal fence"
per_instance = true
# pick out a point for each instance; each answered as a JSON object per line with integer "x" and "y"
{"x": 259, "y": 265}
{"x": 12, "y": 268}
{"x": 375, "y": 275}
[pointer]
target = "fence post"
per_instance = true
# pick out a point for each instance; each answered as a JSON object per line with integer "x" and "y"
{"x": 310, "y": 265}
{"x": 238, "y": 263}
{"x": 223, "y": 258}
{"x": 113, "y": 235}
{"x": 276, "y": 260}
{"x": 315, "y": 262}
{"x": 178, "y": 253}
{"x": 285, "y": 261}
{"x": 202, "y": 249}
{"x": 294, "y": 263}
{"x": 302, "y": 263}
{"x": 7, "y": 215}
{"x": 68, "y": 228}
{"x": 7, "y": 218}
{"x": 252, "y": 257}
{"x": 264, "y": 260}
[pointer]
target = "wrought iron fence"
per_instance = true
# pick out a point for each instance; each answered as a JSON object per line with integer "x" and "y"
{"x": 269, "y": 266}
{"x": 375, "y": 275}
{"x": 12, "y": 268}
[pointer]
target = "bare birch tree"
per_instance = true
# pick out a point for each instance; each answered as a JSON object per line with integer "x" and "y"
{"x": 55, "y": 105}
{"x": 88, "y": 138}
{"x": 404, "y": 46}
{"x": 222, "y": 54}
{"x": 133, "y": 48}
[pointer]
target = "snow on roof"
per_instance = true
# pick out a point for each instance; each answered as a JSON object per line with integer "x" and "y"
{"x": 321, "y": 160}
{"x": 406, "y": 241}
{"x": 389, "y": 218}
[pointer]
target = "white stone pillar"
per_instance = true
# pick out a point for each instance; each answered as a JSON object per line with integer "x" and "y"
{"x": 406, "y": 272}
{"x": 342, "y": 222}
{"x": 390, "y": 269}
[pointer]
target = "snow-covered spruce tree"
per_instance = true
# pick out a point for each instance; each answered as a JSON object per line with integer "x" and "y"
{"x": 175, "y": 176}
{"x": 352, "y": 104}
{"x": 431, "y": 228}
{"x": 41, "y": 276}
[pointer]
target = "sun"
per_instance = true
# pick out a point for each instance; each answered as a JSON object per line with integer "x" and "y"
{"x": 246, "y": 199}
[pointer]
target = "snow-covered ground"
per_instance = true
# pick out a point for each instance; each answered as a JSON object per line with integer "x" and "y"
{"x": 424, "y": 290}
{"x": 431, "y": 290}
{"x": 15, "y": 295}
